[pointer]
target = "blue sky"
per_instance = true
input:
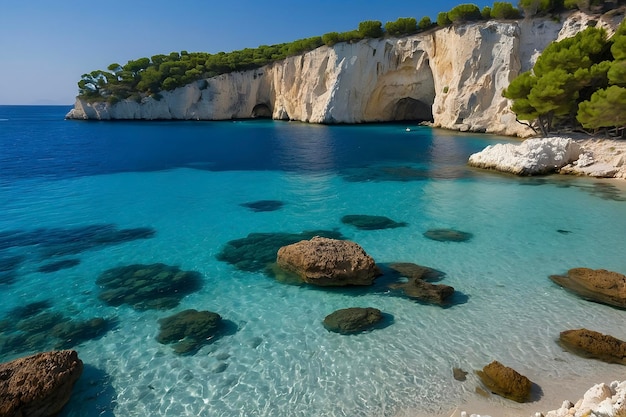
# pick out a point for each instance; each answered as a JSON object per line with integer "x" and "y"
{"x": 45, "y": 46}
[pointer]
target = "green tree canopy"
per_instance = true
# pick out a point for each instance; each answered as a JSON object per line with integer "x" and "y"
{"x": 464, "y": 13}
{"x": 424, "y": 23}
{"x": 443, "y": 19}
{"x": 607, "y": 108}
{"x": 569, "y": 81}
{"x": 371, "y": 29}
{"x": 504, "y": 10}
{"x": 402, "y": 26}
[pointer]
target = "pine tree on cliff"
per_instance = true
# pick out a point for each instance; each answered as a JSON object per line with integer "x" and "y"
{"x": 606, "y": 107}
{"x": 567, "y": 73}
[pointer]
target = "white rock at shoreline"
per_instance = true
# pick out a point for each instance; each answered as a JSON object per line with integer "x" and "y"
{"x": 531, "y": 157}
{"x": 601, "y": 400}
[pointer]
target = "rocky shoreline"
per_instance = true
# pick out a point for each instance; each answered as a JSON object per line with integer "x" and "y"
{"x": 609, "y": 158}
{"x": 599, "y": 158}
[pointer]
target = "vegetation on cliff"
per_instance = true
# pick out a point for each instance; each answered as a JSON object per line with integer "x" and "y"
{"x": 150, "y": 76}
{"x": 578, "y": 82}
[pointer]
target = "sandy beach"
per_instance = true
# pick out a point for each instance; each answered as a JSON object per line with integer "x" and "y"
{"x": 549, "y": 395}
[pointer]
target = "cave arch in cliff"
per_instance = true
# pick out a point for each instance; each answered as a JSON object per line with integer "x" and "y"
{"x": 261, "y": 111}
{"x": 409, "y": 108}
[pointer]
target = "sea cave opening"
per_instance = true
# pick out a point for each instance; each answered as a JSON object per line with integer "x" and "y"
{"x": 261, "y": 111}
{"x": 408, "y": 108}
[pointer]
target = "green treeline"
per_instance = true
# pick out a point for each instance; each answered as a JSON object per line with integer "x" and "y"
{"x": 150, "y": 76}
{"x": 579, "y": 81}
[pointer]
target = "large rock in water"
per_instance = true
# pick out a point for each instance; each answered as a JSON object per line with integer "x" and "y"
{"x": 531, "y": 157}
{"x": 506, "y": 382}
{"x": 598, "y": 285}
{"x": 328, "y": 262}
{"x": 38, "y": 385}
{"x": 352, "y": 320}
{"x": 590, "y": 344}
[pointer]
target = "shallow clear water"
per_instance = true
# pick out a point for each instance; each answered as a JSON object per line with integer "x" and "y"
{"x": 172, "y": 193}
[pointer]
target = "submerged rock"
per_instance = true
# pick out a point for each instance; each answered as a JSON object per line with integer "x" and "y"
{"x": 155, "y": 286}
{"x": 29, "y": 310}
{"x": 258, "y": 250}
{"x": 600, "y": 285}
{"x": 328, "y": 262}
{"x": 189, "y": 330}
{"x": 264, "y": 205}
{"x": 352, "y": 320}
{"x": 459, "y": 374}
{"x": 506, "y": 382}
{"x": 591, "y": 344}
{"x": 447, "y": 235}
{"x": 367, "y": 222}
{"x": 418, "y": 286}
{"x": 72, "y": 333}
{"x": 415, "y": 271}
{"x": 38, "y": 385}
{"x": 59, "y": 265}
{"x": 36, "y": 327}
{"x": 531, "y": 157}
{"x": 72, "y": 240}
{"x": 8, "y": 267}
{"x": 425, "y": 291}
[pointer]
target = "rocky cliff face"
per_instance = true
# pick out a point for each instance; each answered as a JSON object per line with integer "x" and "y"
{"x": 453, "y": 77}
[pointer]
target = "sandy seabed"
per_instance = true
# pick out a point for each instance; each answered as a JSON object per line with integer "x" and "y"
{"x": 552, "y": 394}
{"x": 607, "y": 154}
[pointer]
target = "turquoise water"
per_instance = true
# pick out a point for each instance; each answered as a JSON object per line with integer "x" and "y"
{"x": 114, "y": 194}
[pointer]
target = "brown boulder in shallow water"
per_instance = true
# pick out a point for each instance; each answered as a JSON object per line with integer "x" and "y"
{"x": 417, "y": 286}
{"x": 506, "y": 382}
{"x": 425, "y": 291}
{"x": 590, "y": 344}
{"x": 600, "y": 285}
{"x": 328, "y": 262}
{"x": 38, "y": 385}
{"x": 415, "y": 271}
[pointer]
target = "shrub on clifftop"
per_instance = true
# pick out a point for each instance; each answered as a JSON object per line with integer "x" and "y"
{"x": 464, "y": 13}
{"x": 402, "y": 26}
{"x": 371, "y": 29}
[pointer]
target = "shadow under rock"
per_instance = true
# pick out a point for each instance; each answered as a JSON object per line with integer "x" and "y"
{"x": 536, "y": 393}
{"x": 93, "y": 394}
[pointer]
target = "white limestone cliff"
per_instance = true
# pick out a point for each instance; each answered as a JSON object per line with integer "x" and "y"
{"x": 452, "y": 76}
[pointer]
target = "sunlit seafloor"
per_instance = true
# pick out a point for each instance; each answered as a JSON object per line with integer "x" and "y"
{"x": 106, "y": 195}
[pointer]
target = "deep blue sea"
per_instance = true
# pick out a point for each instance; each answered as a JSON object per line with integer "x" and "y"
{"x": 78, "y": 199}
